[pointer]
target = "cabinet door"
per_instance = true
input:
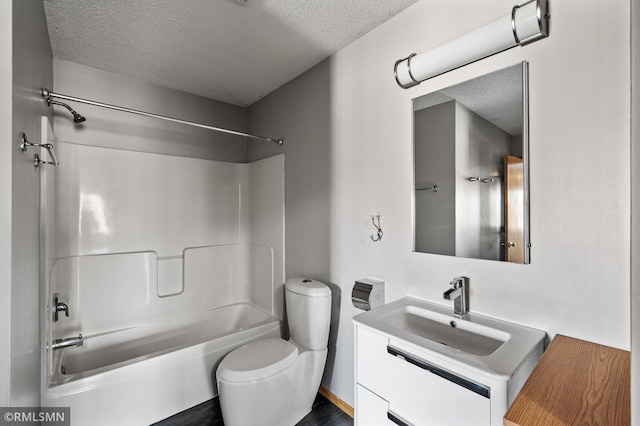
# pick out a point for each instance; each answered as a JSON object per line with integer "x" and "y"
{"x": 416, "y": 389}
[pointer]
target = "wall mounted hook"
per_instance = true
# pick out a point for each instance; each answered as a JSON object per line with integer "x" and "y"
{"x": 379, "y": 233}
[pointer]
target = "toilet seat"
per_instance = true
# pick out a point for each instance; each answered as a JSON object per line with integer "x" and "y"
{"x": 257, "y": 360}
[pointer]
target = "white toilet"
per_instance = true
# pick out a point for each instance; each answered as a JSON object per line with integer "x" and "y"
{"x": 273, "y": 382}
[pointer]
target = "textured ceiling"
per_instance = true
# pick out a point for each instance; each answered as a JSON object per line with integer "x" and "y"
{"x": 497, "y": 97}
{"x": 236, "y": 51}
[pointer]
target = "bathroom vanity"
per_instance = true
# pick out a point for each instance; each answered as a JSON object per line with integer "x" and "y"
{"x": 418, "y": 364}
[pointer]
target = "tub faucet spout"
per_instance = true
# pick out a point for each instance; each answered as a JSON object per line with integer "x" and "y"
{"x": 65, "y": 343}
{"x": 459, "y": 293}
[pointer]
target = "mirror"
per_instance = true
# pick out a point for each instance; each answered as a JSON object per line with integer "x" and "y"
{"x": 471, "y": 171}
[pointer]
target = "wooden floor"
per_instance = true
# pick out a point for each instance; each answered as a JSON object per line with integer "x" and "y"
{"x": 324, "y": 413}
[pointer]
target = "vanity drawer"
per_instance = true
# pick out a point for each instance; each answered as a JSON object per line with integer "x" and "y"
{"x": 376, "y": 409}
{"x": 415, "y": 389}
{"x": 376, "y": 412}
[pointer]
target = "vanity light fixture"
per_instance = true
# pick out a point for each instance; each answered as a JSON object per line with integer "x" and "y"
{"x": 525, "y": 24}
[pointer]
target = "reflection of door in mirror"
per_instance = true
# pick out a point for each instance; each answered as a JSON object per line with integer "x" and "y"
{"x": 513, "y": 209}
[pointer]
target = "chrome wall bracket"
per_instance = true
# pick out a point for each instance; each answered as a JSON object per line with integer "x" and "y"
{"x": 483, "y": 180}
{"x": 25, "y": 144}
{"x": 413, "y": 81}
{"x": 434, "y": 188}
{"x": 37, "y": 161}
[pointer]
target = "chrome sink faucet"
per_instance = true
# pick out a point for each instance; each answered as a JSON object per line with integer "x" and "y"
{"x": 459, "y": 293}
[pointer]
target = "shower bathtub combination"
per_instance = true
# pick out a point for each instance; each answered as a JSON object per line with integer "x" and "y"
{"x": 148, "y": 286}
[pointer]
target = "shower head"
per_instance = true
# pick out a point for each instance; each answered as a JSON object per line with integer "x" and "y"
{"x": 77, "y": 118}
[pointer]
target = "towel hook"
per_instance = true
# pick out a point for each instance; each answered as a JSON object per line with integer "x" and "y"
{"x": 380, "y": 233}
{"x": 24, "y": 144}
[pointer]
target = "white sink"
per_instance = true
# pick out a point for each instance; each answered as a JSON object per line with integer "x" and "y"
{"x": 493, "y": 347}
{"x": 456, "y": 333}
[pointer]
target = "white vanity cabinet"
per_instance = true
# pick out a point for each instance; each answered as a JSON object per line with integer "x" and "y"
{"x": 404, "y": 383}
{"x": 396, "y": 385}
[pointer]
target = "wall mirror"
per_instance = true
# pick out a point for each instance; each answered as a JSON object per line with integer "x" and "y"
{"x": 471, "y": 171}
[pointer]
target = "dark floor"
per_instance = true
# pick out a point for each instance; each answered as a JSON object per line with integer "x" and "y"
{"x": 324, "y": 413}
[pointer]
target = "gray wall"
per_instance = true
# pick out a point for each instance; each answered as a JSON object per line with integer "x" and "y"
{"x": 300, "y": 112}
{"x": 434, "y": 159}
{"x": 31, "y": 70}
{"x": 116, "y": 129}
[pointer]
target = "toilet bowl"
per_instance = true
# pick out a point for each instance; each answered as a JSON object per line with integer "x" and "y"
{"x": 273, "y": 382}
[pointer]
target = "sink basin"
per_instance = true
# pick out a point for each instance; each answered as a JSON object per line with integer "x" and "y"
{"x": 456, "y": 333}
{"x": 487, "y": 345}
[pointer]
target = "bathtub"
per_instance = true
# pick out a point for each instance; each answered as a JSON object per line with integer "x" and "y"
{"x": 143, "y": 374}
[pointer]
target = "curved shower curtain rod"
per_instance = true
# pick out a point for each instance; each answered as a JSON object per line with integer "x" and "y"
{"x": 49, "y": 95}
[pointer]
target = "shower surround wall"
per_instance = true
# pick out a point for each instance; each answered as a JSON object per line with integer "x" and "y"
{"x": 107, "y": 128}
{"x": 191, "y": 217}
{"x": 164, "y": 262}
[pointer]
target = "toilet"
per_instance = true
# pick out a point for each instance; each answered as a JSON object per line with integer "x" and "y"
{"x": 273, "y": 382}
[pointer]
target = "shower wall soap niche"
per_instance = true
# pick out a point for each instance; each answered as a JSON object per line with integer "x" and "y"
{"x": 170, "y": 275}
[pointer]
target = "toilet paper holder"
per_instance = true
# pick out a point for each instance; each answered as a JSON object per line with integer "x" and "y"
{"x": 367, "y": 294}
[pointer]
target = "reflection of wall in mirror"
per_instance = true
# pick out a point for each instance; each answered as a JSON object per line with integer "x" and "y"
{"x": 434, "y": 150}
{"x": 463, "y": 218}
{"x": 480, "y": 150}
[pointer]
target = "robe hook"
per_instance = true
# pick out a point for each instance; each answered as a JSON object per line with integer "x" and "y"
{"x": 380, "y": 233}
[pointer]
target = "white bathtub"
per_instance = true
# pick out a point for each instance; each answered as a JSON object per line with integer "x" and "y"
{"x": 140, "y": 375}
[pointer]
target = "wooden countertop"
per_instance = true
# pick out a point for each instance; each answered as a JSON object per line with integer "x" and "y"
{"x": 575, "y": 383}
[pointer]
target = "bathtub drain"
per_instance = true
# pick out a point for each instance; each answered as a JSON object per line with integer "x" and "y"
{"x": 63, "y": 369}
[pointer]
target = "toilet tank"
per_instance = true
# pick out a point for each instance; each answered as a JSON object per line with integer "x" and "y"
{"x": 308, "y": 305}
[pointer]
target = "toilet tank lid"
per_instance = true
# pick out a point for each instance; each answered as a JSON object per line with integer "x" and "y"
{"x": 307, "y": 287}
{"x": 257, "y": 360}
